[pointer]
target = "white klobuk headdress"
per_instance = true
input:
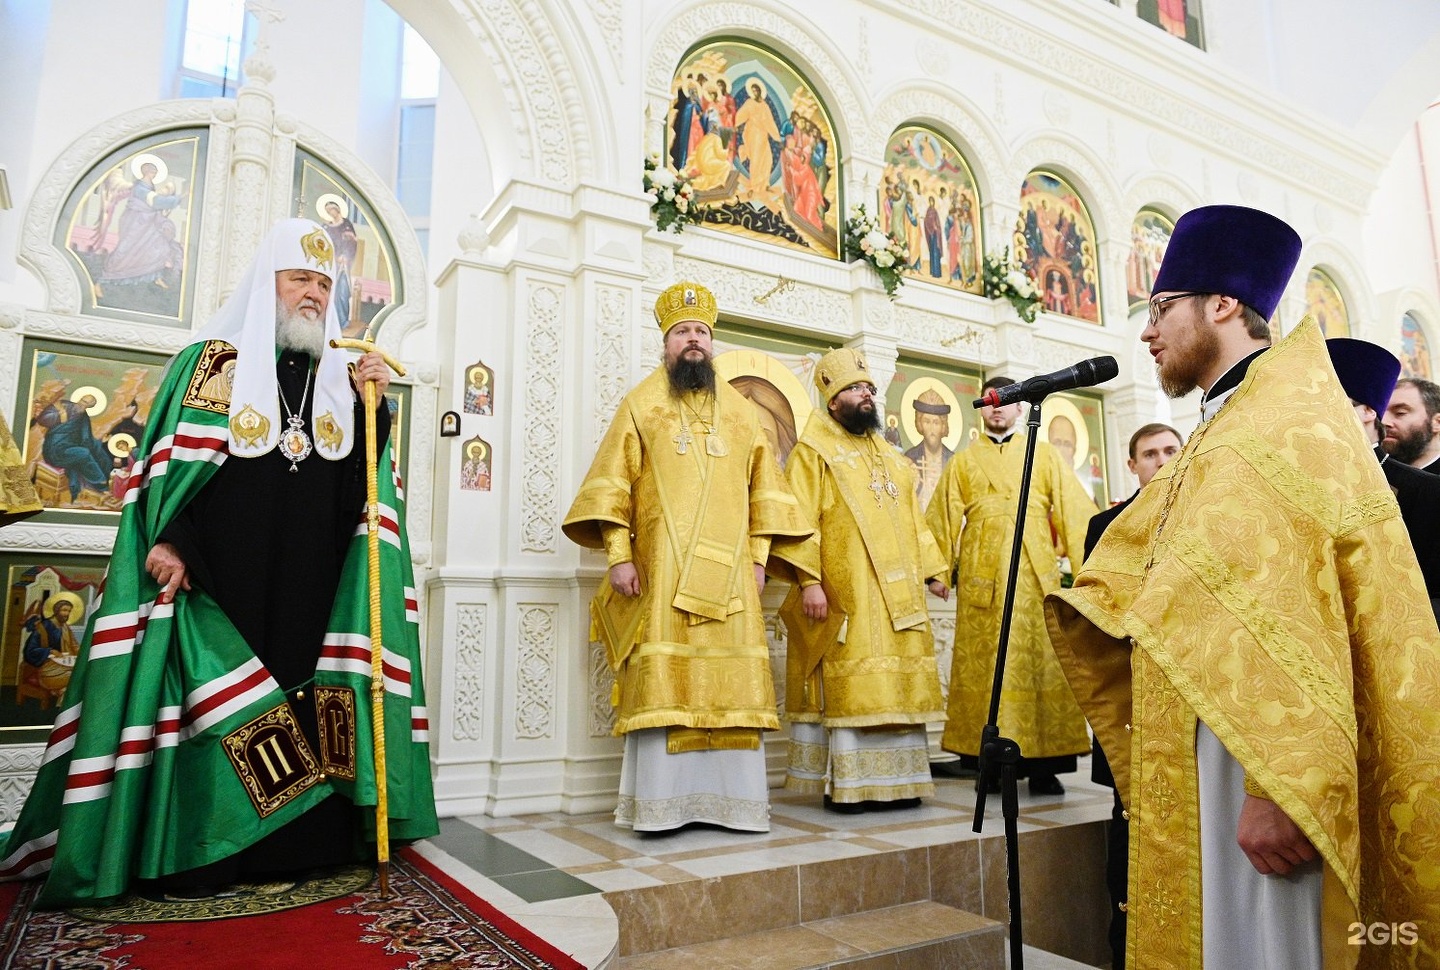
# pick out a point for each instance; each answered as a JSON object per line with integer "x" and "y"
{"x": 247, "y": 320}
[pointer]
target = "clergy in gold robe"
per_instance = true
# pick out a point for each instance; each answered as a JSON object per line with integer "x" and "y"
{"x": 18, "y": 499}
{"x": 691, "y": 508}
{"x": 861, "y": 681}
{"x": 1254, "y": 647}
{"x": 973, "y": 516}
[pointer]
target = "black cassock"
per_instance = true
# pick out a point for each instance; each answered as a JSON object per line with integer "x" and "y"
{"x": 1418, "y": 494}
{"x": 268, "y": 544}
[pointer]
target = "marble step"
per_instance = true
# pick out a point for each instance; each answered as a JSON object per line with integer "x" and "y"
{"x": 920, "y": 935}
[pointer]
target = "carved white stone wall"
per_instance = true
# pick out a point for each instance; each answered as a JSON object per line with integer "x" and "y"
{"x": 535, "y": 671}
{"x": 612, "y": 354}
{"x": 18, "y": 764}
{"x": 551, "y": 106}
{"x": 1271, "y": 145}
{"x": 468, "y": 691}
{"x": 540, "y": 499}
{"x": 601, "y": 683}
{"x": 610, "y": 16}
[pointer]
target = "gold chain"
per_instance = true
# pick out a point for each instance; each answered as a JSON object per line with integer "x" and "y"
{"x": 714, "y": 444}
{"x": 880, "y": 480}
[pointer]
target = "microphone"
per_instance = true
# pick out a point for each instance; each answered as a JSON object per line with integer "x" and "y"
{"x": 1087, "y": 373}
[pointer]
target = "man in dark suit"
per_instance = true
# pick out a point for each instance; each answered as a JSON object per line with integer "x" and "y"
{"x": 1150, "y": 448}
{"x": 1367, "y": 372}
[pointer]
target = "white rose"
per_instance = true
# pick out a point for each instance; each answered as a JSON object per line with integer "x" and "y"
{"x": 663, "y": 177}
{"x": 884, "y": 260}
{"x": 668, "y": 195}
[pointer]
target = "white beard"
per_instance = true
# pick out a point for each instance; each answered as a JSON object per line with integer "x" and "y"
{"x": 295, "y": 331}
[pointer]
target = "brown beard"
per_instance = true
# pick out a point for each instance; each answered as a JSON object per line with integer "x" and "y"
{"x": 1181, "y": 374}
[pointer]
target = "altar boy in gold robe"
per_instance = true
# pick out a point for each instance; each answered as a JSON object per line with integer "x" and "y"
{"x": 972, "y": 515}
{"x": 861, "y": 680}
{"x": 687, "y": 500}
{"x": 1253, "y": 645}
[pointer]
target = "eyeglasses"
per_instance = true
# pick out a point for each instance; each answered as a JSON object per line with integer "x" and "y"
{"x": 866, "y": 388}
{"x": 1157, "y": 306}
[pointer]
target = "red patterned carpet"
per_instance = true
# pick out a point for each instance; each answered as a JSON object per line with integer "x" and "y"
{"x": 429, "y": 921}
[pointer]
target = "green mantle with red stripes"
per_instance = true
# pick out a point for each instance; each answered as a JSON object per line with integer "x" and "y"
{"x": 174, "y": 747}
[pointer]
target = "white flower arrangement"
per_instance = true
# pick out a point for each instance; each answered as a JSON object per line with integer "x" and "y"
{"x": 864, "y": 239}
{"x": 1004, "y": 278}
{"x": 672, "y": 196}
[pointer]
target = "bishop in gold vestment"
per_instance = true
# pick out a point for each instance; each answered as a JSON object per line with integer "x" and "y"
{"x": 687, "y": 500}
{"x": 1262, "y": 591}
{"x": 972, "y": 515}
{"x": 861, "y": 680}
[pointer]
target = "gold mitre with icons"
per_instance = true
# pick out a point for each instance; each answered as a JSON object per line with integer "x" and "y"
{"x": 838, "y": 370}
{"x": 685, "y": 301}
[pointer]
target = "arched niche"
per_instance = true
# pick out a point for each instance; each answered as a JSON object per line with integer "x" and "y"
{"x": 752, "y": 133}
{"x": 168, "y": 177}
{"x": 929, "y": 197}
{"x": 131, "y": 226}
{"x": 1325, "y": 301}
{"x": 1055, "y": 241}
{"x": 1415, "y": 359}
{"x": 1150, "y": 233}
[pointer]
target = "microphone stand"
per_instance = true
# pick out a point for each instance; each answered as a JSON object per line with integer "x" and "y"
{"x": 997, "y": 750}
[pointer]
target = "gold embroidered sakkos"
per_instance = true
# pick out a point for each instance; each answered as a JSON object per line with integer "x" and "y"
{"x": 697, "y": 523}
{"x": 875, "y": 559}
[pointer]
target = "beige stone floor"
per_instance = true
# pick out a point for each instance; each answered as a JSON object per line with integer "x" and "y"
{"x": 592, "y": 849}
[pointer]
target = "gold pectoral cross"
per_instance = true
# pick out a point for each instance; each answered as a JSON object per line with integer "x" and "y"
{"x": 682, "y": 441}
{"x": 877, "y": 486}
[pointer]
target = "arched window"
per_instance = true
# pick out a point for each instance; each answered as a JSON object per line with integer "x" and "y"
{"x": 415, "y": 140}
{"x": 1178, "y": 18}
{"x": 218, "y": 35}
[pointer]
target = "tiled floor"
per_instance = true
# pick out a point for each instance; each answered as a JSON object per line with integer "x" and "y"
{"x": 548, "y": 871}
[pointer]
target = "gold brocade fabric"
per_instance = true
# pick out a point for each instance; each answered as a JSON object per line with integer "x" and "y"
{"x": 692, "y": 518}
{"x": 972, "y": 515}
{"x": 18, "y": 499}
{"x": 875, "y": 556}
{"x": 1285, "y": 609}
